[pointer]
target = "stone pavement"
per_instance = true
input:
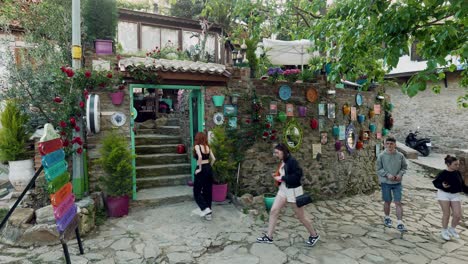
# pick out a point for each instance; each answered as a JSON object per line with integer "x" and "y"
{"x": 351, "y": 232}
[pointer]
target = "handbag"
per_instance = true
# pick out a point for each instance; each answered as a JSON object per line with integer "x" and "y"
{"x": 302, "y": 199}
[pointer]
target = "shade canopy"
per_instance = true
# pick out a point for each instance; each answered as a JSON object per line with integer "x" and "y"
{"x": 281, "y": 52}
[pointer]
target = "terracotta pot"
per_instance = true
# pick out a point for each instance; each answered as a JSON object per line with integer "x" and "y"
{"x": 346, "y": 109}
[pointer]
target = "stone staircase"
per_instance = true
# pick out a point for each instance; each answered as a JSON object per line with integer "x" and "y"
{"x": 161, "y": 173}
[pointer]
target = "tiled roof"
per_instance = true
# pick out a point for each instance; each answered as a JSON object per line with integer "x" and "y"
{"x": 175, "y": 65}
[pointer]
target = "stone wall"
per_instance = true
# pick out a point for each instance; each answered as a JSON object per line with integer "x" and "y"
{"x": 328, "y": 176}
{"x": 94, "y": 141}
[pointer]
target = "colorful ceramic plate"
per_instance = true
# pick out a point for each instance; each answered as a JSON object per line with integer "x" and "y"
{"x": 118, "y": 119}
{"x": 312, "y": 95}
{"x": 284, "y": 92}
{"x": 218, "y": 118}
{"x": 359, "y": 99}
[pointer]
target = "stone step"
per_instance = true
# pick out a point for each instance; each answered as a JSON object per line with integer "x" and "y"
{"x": 407, "y": 151}
{"x": 162, "y": 196}
{"x": 164, "y": 158}
{"x": 156, "y": 139}
{"x": 163, "y": 130}
{"x": 172, "y": 180}
{"x": 173, "y": 121}
{"x": 162, "y": 170}
{"x": 155, "y": 149}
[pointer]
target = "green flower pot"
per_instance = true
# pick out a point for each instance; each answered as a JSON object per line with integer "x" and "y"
{"x": 218, "y": 100}
{"x": 269, "y": 199}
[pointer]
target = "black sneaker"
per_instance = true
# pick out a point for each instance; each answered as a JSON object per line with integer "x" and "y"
{"x": 313, "y": 240}
{"x": 387, "y": 222}
{"x": 264, "y": 239}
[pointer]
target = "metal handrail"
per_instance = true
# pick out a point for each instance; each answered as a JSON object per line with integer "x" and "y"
{"x": 5, "y": 219}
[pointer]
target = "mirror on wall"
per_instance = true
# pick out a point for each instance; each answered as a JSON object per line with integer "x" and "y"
{"x": 351, "y": 138}
{"x": 293, "y": 135}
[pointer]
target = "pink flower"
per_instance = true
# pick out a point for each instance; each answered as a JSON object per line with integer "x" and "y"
{"x": 109, "y": 75}
{"x": 72, "y": 121}
{"x": 81, "y": 104}
{"x": 87, "y": 74}
{"x": 79, "y": 150}
{"x": 77, "y": 129}
{"x": 63, "y": 124}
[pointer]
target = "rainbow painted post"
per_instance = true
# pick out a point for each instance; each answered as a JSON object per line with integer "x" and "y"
{"x": 59, "y": 185}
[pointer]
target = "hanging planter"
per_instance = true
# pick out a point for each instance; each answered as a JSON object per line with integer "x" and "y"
{"x": 372, "y": 128}
{"x": 218, "y": 100}
{"x": 361, "y": 118}
{"x": 336, "y": 131}
{"x": 234, "y": 98}
{"x": 359, "y": 145}
{"x": 302, "y": 111}
{"x": 371, "y": 113}
{"x": 338, "y": 145}
{"x": 117, "y": 97}
{"x": 314, "y": 124}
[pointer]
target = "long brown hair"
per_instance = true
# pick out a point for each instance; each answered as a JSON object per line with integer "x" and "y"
{"x": 200, "y": 139}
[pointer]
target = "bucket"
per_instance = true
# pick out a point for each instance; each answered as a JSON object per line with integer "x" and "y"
{"x": 269, "y": 199}
{"x": 219, "y": 192}
{"x": 117, "y": 206}
{"x": 218, "y": 100}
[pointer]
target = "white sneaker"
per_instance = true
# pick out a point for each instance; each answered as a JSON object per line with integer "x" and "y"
{"x": 205, "y": 212}
{"x": 453, "y": 233}
{"x": 445, "y": 234}
{"x": 209, "y": 217}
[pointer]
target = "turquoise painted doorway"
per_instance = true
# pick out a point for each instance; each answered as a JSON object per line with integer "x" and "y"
{"x": 196, "y": 117}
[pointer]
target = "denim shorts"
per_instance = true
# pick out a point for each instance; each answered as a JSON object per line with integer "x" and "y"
{"x": 389, "y": 190}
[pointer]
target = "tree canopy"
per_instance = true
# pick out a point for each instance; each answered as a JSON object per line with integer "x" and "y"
{"x": 360, "y": 37}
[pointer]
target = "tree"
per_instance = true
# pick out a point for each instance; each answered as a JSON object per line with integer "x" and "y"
{"x": 186, "y": 8}
{"x": 369, "y": 37}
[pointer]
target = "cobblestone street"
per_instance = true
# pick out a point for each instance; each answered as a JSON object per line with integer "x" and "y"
{"x": 351, "y": 232}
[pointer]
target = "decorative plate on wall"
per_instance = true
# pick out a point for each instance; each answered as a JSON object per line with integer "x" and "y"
{"x": 218, "y": 118}
{"x": 118, "y": 119}
{"x": 359, "y": 99}
{"x": 284, "y": 92}
{"x": 312, "y": 95}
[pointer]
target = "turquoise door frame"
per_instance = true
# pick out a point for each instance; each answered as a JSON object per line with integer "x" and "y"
{"x": 195, "y": 93}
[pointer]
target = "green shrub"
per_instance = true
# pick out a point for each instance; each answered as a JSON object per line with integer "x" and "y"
{"x": 99, "y": 19}
{"x": 223, "y": 148}
{"x": 116, "y": 161}
{"x": 13, "y": 133}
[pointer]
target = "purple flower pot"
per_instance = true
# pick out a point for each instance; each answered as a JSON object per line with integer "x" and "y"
{"x": 103, "y": 47}
{"x": 117, "y": 206}
{"x": 302, "y": 111}
{"x": 117, "y": 97}
{"x": 219, "y": 192}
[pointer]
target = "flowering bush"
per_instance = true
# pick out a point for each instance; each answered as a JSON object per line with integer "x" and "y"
{"x": 99, "y": 80}
{"x": 292, "y": 75}
{"x": 169, "y": 52}
{"x": 274, "y": 74}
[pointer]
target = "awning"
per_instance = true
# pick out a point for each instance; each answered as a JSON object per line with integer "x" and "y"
{"x": 294, "y": 52}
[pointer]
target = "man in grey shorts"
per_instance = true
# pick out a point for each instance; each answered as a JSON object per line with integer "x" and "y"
{"x": 391, "y": 166}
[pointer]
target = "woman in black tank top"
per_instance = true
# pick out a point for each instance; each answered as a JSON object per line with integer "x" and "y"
{"x": 202, "y": 187}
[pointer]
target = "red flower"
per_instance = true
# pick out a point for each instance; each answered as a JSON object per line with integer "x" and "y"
{"x": 63, "y": 68}
{"x": 77, "y": 129}
{"x": 267, "y": 125}
{"x": 81, "y": 104}
{"x": 273, "y": 137}
{"x": 79, "y": 150}
{"x": 57, "y": 99}
{"x": 273, "y": 131}
{"x": 72, "y": 121}
{"x": 102, "y": 85}
{"x": 63, "y": 133}
{"x": 121, "y": 87}
{"x": 265, "y": 134}
{"x": 109, "y": 75}
{"x": 247, "y": 121}
{"x": 85, "y": 92}
{"x": 63, "y": 124}
{"x": 66, "y": 143}
{"x": 87, "y": 74}
{"x": 70, "y": 72}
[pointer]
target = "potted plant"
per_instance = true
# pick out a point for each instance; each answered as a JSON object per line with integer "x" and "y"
{"x": 292, "y": 75}
{"x": 116, "y": 161}
{"x": 13, "y": 145}
{"x": 100, "y": 24}
{"x": 224, "y": 168}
